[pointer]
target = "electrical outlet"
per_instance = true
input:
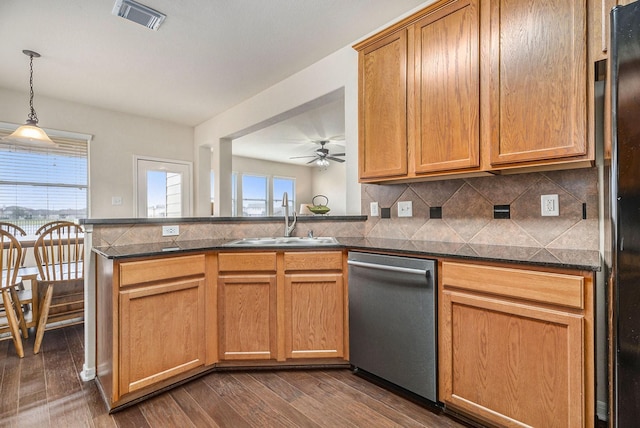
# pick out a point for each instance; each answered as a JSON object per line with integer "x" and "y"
{"x": 170, "y": 230}
{"x": 549, "y": 205}
{"x": 373, "y": 209}
{"x": 405, "y": 209}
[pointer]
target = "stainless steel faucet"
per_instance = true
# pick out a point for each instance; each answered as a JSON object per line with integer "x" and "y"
{"x": 288, "y": 228}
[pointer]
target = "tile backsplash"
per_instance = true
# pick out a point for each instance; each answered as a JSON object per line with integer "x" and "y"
{"x": 131, "y": 234}
{"x": 467, "y": 215}
{"x": 468, "y": 210}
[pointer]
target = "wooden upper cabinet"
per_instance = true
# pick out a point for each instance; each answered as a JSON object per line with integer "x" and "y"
{"x": 446, "y": 89}
{"x": 382, "y": 149}
{"x": 478, "y": 86}
{"x": 537, "y": 81}
{"x": 600, "y": 28}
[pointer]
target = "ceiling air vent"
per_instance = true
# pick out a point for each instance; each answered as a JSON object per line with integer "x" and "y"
{"x": 138, "y": 13}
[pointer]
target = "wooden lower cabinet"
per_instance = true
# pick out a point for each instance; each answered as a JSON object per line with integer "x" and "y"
{"x": 516, "y": 345}
{"x": 247, "y": 317}
{"x": 247, "y": 306}
{"x": 162, "y": 320}
{"x": 314, "y": 315}
{"x": 150, "y": 324}
{"x": 281, "y": 306}
{"x": 161, "y": 332}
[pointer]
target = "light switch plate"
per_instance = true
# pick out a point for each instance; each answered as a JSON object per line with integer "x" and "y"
{"x": 405, "y": 209}
{"x": 170, "y": 230}
{"x": 549, "y": 205}
{"x": 373, "y": 209}
{"x": 116, "y": 200}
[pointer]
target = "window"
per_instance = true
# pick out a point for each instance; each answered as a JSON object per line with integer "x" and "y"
{"x": 281, "y": 185}
{"x": 38, "y": 185}
{"x": 163, "y": 188}
{"x": 254, "y": 196}
{"x": 253, "y": 192}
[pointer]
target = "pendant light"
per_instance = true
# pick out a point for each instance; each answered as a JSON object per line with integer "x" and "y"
{"x": 30, "y": 133}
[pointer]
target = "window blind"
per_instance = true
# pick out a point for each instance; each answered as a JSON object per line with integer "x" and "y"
{"x": 38, "y": 184}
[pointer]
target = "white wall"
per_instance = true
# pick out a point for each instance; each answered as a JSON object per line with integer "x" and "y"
{"x": 338, "y": 70}
{"x": 116, "y": 138}
{"x": 330, "y": 182}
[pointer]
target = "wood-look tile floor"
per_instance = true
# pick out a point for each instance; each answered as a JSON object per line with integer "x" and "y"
{"x": 45, "y": 390}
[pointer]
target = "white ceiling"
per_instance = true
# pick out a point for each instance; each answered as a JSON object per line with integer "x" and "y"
{"x": 207, "y": 56}
{"x": 297, "y": 135}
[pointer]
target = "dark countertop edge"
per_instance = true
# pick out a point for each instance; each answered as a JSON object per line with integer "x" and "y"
{"x": 355, "y": 244}
{"x": 173, "y": 220}
{"x": 435, "y": 254}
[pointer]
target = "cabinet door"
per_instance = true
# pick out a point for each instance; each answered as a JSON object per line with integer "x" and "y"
{"x": 161, "y": 332}
{"x": 510, "y": 363}
{"x": 537, "y": 80}
{"x": 382, "y": 147}
{"x": 513, "y": 344}
{"x": 600, "y": 29}
{"x": 247, "y": 317}
{"x": 446, "y": 89}
{"x": 314, "y": 315}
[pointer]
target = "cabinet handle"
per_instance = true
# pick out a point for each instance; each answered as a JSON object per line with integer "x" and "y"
{"x": 387, "y": 268}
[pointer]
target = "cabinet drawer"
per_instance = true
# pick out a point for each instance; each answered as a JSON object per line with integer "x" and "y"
{"x": 313, "y": 260}
{"x": 160, "y": 269}
{"x": 544, "y": 287}
{"x": 247, "y": 262}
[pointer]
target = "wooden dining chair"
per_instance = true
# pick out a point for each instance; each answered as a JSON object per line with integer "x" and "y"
{"x": 11, "y": 308}
{"x": 50, "y": 224}
{"x": 16, "y": 231}
{"x": 59, "y": 254}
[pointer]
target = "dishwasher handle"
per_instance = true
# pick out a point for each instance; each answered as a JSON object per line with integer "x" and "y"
{"x": 389, "y": 268}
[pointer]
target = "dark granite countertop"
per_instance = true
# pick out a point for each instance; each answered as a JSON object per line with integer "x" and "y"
{"x": 571, "y": 259}
{"x": 174, "y": 220}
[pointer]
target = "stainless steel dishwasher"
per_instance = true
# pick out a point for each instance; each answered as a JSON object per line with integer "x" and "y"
{"x": 392, "y": 320}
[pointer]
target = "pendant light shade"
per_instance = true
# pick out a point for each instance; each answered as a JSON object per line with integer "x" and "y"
{"x": 30, "y": 134}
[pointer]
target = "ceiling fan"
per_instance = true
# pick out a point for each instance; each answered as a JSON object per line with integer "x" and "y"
{"x": 322, "y": 155}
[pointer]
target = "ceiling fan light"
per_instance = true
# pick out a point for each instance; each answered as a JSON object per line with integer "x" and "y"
{"x": 322, "y": 162}
{"x": 30, "y": 134}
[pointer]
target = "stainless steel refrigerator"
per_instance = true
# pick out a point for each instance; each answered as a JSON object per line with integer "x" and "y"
{"x": 623, "y": 259}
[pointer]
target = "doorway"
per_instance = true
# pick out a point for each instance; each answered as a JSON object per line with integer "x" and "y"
{"x": 163, "y": 188}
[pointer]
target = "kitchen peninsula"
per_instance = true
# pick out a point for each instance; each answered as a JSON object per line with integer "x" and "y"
{"x": 224, "y": 307}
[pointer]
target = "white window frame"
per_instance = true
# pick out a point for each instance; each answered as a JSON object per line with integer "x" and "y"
{"x": 142, "y": 164}
{"x": 241, "y": 191}
{"x": 291, "y": 196}
{"x": 7, "y": 128}
{"x": 237, "y": 196}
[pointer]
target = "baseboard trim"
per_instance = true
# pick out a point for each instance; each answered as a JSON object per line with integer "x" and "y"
{"x": 87, "y": 373}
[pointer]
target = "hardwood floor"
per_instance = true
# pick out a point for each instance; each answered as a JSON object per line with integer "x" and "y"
{"x": 45, "y": 390}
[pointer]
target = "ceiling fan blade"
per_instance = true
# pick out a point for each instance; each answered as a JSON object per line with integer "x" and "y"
{"x": 337, "y": 154}
{"x": 300, "y": 157}
{"x": 335, "y": 159}
{"x": 311, "y": 161}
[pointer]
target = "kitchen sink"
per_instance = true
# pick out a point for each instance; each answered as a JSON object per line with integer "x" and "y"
{"x": 283, "y": 241}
